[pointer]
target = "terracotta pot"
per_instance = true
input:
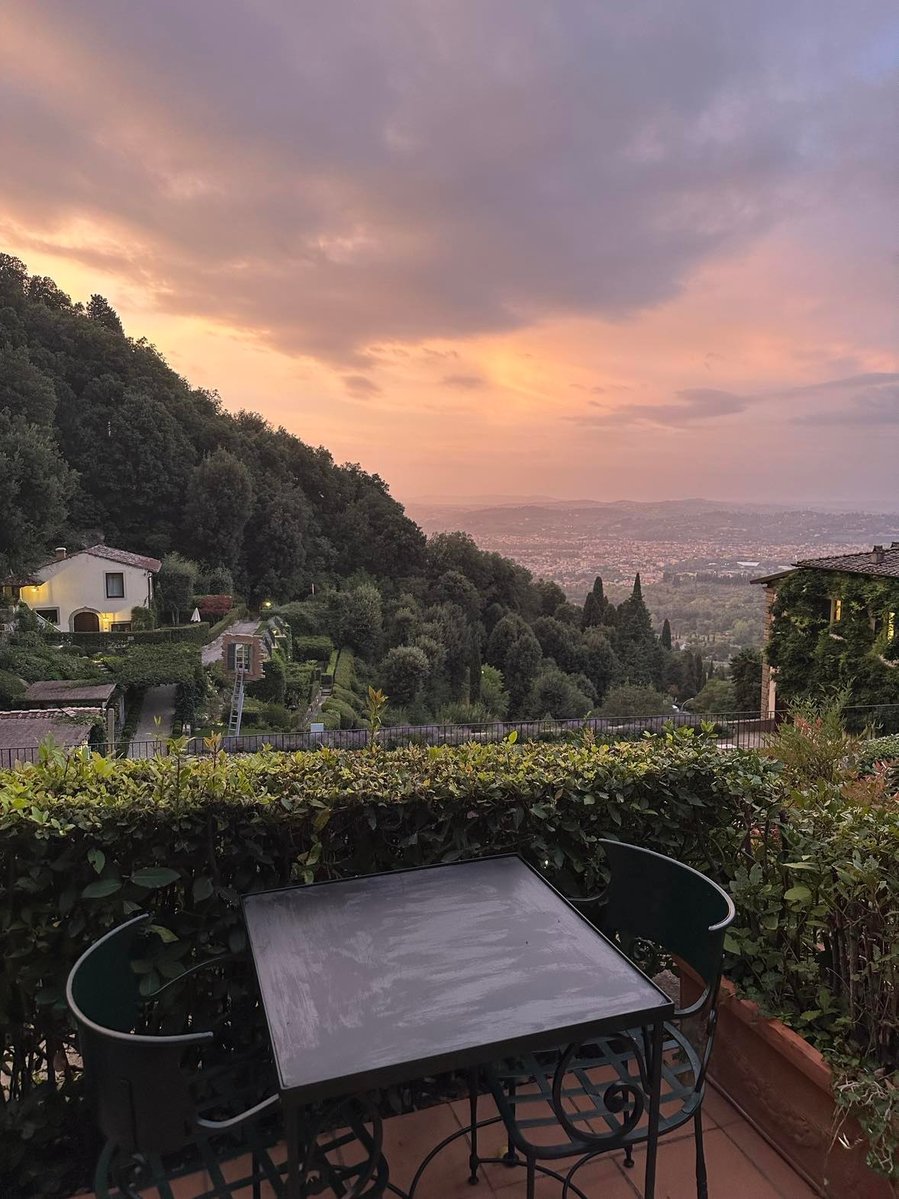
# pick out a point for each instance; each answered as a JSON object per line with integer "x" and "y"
{"x": 783, "y": 1086}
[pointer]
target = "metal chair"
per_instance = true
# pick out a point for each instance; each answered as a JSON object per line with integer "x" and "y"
{"x": 172, "y": 1103}
{"x": 593, "y": 1098}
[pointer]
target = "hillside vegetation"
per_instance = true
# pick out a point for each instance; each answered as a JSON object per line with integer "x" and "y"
{"x": 101, "y": 440}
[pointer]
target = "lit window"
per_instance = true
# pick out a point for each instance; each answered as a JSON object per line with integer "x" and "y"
{"x": 115, "y": 586}
{"x": 837, "y": 610}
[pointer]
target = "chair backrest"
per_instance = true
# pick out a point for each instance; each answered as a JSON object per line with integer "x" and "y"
{"x": 140, "y": 1093}
{"x": 654, "y": 898}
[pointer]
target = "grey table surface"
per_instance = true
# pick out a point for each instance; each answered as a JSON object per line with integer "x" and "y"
{"x": 389, "y": 977}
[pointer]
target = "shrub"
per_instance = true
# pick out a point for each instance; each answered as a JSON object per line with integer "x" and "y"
{"x": 214, "y": 607}
{"x": 30, "y": 657}
{"x": 272, "y": 686}
{"x": 306, "y": 618}
{"x": 316, "y": 649}
{"x": 349, "y": 718}
{"x": 630, "y": 700}
{"x": 142, "y": 619}
{"x": 297, "y": 685}
{"x": 11, "y": 687}
{"x": 344, "y": 669}
{"x": 152, "y": 665}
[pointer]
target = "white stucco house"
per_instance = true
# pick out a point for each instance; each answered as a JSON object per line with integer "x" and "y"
{"x": 92, "y": 590}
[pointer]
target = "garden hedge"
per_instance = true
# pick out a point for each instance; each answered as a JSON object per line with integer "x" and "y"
{"x": 85, "y": 842}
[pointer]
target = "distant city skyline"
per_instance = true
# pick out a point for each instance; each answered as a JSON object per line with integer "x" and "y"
{"x": 503, "y": 248}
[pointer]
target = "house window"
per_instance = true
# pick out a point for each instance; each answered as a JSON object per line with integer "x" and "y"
{"x": 115, "y": 586}
{"x": 51, "y": 614}
{"x": 836, "y": 614}
{"x": 121, "y": 626}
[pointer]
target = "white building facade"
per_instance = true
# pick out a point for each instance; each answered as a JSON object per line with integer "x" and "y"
{"x": 92, "y": 590}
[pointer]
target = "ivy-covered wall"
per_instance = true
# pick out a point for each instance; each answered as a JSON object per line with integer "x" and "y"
{"x": 813, "y": 652}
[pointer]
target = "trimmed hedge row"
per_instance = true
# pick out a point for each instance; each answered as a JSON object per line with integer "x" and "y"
{"x": 86, "y": 842}
{"x": 98, "y": 643}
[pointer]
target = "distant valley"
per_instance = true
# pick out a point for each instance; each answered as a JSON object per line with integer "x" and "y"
{"x": 695, "y": 557}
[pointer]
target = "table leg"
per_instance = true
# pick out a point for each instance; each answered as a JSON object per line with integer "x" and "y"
{"x": 292, "y": 1128}
{"x": 655, "y": 1092}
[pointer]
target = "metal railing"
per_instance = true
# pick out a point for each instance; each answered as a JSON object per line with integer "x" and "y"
{"x": 732, "y": 730}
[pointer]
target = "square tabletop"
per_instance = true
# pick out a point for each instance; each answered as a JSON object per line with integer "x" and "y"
{"x": 389, "y": 977}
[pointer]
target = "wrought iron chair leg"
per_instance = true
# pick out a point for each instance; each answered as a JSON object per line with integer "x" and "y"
{"x": 629, "y": 1156}
{"x": 510, "y": 1157}
{"x": 257, "y": 1182}
{"x": 473, "y": 1159}
{"x": 702, "y": 1183}
{"x": 532, "y": 1178}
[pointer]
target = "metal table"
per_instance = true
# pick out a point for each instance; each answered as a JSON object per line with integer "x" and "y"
{"x": 387, "y": 978}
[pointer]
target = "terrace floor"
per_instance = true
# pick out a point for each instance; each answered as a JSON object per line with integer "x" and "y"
{"x": 741, "y": 1165}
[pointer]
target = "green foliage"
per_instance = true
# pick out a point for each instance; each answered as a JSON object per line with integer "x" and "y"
{"x": 403, "y": 672}
{"x": 348, "y": 716}
{"x": 494, "y": 696}
{"x": 628, "y": 700}
{"x": 35, "y": 488}
{"x": 175, "y": 585}
{"x": 376, "y": 704}
{"x": 814, "y": 747}
{"x": 817, "y": 943}
{"x": 716, "y": 696}
{"x": 11, "y": 687}
{"x": 153, "y": 665}
{"x": 31, "y": 658}
{"x": 855, "y": 654}
{"x": 318, "y": 648}
{"x": 297, "y": 685}
{"x": 555, "y": 694}
{"x": 103, "y": 643}
{"x": 345, "y": 670}
{"x": 359, "y": 618}
{"x": 637, "y": 647}
{"x": 272, "y": 686}
{"x": 514, "y": 649}
{"x": 746, "y": 676}
{"x": 219, "y": 504}
{"x": 261, "y": 715}
{"x": 142, "y": 619}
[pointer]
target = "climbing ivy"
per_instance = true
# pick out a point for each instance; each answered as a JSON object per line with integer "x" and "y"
{"x": 814, "y": 653}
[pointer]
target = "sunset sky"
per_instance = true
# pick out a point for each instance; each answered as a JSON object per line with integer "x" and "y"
{"x": 582, "y": 248}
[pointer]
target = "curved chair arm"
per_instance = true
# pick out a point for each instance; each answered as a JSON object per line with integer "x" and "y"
{"x": 235, "y": 1121}
{"x": 695, "y": 1008}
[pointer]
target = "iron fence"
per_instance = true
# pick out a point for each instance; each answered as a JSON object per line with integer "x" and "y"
{"x": 732, "y": 730}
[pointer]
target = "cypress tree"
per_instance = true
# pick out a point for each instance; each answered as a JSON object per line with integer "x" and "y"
{"x": 666, "y": 634}
{"x": 636, "y": 643}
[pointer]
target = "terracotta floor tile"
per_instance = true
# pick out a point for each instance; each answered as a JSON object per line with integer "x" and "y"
{"x": 720, "y": 1112}
{"x": 598, "y": 1180}
{"x": 188, "y": 1187}
{"x": 757, "y": 1149}
{"x": 408, "y": 1139}
{"x": 741, "y": 1165}
{"x": 731, "y": 1174}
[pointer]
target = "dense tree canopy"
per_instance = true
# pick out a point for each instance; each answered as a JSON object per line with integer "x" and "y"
{"x": 156, "y": 465}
